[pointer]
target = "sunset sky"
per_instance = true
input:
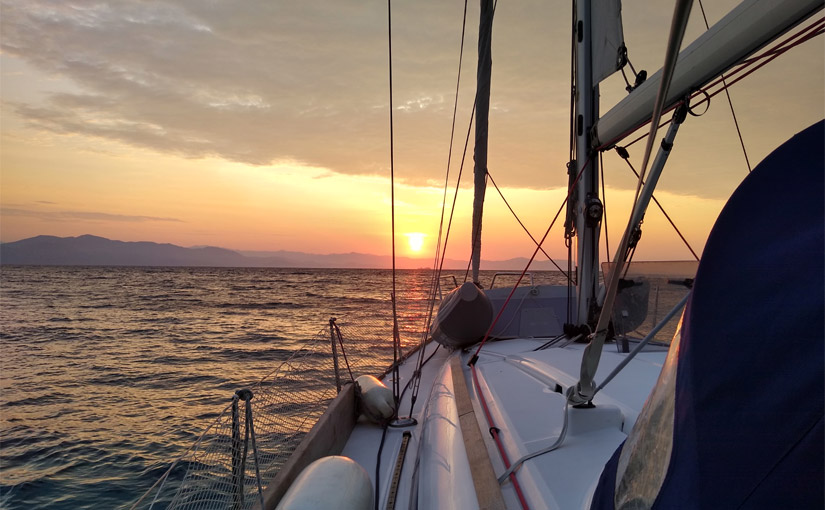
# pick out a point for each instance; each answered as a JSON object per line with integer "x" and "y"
{"x": 263, "y": 125}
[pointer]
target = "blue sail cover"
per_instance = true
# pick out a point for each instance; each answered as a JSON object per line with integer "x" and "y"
{"x": 750, "y": 388}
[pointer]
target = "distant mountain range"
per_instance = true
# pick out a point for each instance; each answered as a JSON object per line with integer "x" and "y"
{"x": 88, "y": 250}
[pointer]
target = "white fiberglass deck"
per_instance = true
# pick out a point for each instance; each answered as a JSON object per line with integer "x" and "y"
{"x": 524, "y": 391}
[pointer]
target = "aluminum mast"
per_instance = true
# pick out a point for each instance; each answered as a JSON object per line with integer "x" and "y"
{"x": 588, "y": 207}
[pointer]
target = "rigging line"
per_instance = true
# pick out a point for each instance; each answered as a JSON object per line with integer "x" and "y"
{"x": 661, "y": 208}
{"x": 455, "y": 195}
{"x": 378, "y": 466}
{"x": 431, "y": 305}
{"x": 494, "y": 432}
{"x": 730, "y": 102}
{"x": 762, "y": 59}
{"x": 396, "y": 353}
{"x": 384, "y": 433}
{"x": 803, "y": 35}
{"x": 750, "y": 66}
{"x": 630, "y": 256}
{"x": 535, "y": 252}
{"x": 788, "y": 42}
{"x": 439, "y": 255}
{"x": 463, "y": 159}
{"x": 392, "y": 171}
{"x": 340, "y": 338}
{"x": 583, "y": 390}
{"x": 677, "y": 32}
{"x": 192, "y": 448}
{"x": 569, "y": 283}
{"x": 431, "y": 356}
{"x": 396, "y": 339}
{"x": 636, "y": 350}
{"x": 604, "y": 207}
{"x": 523, "y": 226}
{"x": 457, "y": 185}
{"x": 757, "y": 63}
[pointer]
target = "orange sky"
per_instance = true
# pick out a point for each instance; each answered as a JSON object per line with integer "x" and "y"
{"x": 264, "y": 125}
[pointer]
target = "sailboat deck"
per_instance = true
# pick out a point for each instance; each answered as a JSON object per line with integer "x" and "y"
{"x": 524, "y": 391}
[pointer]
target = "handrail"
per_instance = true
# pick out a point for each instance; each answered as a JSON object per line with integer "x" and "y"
{"x": 510, "y": 273}
{"x": 447, "y": 277}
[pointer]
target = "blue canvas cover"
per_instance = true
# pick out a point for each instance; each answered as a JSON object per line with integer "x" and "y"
{"x": 750, "y": 388}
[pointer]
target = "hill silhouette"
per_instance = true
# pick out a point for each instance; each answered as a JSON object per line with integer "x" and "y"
{"x": 89, "y": 250}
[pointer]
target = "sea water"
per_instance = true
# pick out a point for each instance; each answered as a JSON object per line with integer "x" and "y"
{"x": 108, "y": 374}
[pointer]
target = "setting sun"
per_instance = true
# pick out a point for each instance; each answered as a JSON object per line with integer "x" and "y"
{"x": 415, "y": 240}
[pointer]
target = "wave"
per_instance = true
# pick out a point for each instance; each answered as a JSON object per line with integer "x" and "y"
{"x": 252, "y": 354}
{"x": 48, "y": 399}
{"x": 138, "y": 362}
{"x": 262, "y": 306}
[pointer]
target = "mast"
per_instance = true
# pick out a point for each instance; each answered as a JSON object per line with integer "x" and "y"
{"x": 485, "y": 64}
{"x": 588, "y": 207}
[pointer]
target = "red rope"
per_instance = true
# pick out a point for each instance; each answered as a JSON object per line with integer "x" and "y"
{"x": 661, "y": 208}
{"x": 766, "y": 57}
{"x": 493, "y": 429}
{"x": 529, "y": 262}
{"x": 524, "y": 227}
{"x": 497, "y": 439}
{"x": 750, "y": 65}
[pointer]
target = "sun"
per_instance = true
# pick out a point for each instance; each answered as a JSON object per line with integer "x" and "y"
{"x": 415, "y": 241}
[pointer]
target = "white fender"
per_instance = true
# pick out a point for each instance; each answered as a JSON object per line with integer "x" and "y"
{"x": 330, "y": 482}
{"x": 377, "y": 401}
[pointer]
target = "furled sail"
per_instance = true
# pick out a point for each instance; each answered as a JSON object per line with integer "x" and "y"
{"x": 485, "y": 64}
{"x": 608, "y": 38}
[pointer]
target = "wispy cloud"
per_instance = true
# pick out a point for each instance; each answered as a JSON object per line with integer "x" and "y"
{"x": 79, "y": 215}
{"x": 255, "y": 82}
{"x": 272, "y": 81}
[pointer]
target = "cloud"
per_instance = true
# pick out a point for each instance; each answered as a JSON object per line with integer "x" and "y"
{"x": 261, "y": 82}
{"x": 79, "y": 215}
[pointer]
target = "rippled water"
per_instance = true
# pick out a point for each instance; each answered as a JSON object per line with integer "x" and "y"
{"x": 108, "y": 374}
